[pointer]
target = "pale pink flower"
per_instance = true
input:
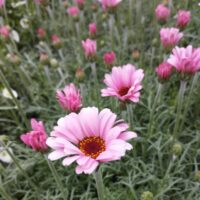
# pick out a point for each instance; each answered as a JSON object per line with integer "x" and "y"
{"x": 185, "y": 60}
{"x": 124, "y": 83}
{"x": 69, "y": 98}
{"x": 164, "y": 70}
{"x": 109, "y": 58}
{"x": 109, "y": 4}
{"x": 90, "y": 47}
{"x": 162, "y": 13}
{"x": 73, "y": 11}
{"x": 5, "y": 31}
{"x": 92, "y": 29}
{"x": 170, "y": 37}
{"x": 183, "y": 18}
{"x": 89, "y": 138}
{"x": 41, "y": 33}
{"x": 2, "y": 2}
{"x": 36, "y": 139}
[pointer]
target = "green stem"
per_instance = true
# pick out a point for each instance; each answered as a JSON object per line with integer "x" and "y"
{"x": 20, "y": 168}
{"x": 6, "y": 84}
{"x": 194, "y": 82}
{"x": 99, "y": 184}
{"x": 57, "y": 178}
{"x": 159, "y": 89}
{"x": 4, "y": 194}
{"x": 179, "y": 108}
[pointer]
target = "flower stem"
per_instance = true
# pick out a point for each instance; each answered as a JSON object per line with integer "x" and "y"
{"x": 179, "y": 108}
{"x": 6, "y": 84}
{"x": 57, "y": 178}
{"x": 194, "y": 82}
{"x": 159, "y": 89}
{"x": 20, "y": 168}
{"x": 99, "y": 184}
{"x": 4, "y": 194}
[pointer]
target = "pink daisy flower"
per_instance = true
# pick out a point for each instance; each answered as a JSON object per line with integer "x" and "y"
{"x": 36, "y": 139}
{"x": 170, "y": 37}
{"x": 69, "y": 98}
{"x": 89, "y": 138}
{"x": 185, "y": 60}
{"x": 124, "y": 83}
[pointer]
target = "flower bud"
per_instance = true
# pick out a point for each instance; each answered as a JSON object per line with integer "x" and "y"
{"x": 44, "y": 59}
{"x": 164, "y": 71}
{"x": 41, "y": 33}
{"x": 90, "y": 47}
{"x": 56, "y": 41}
{"x": 136, "y": 54}
{"x": 54, "y": 63}
{"x": 197, "y": 176}
{"x": 147, "y": 196}
{"x": 73, "y": 12}
{"x": 177, "y": 149}
{"x": 94, "y": 7}
{"x": 162, "y": 13}
{"x": 4, "y": 33}
{"x": 92, "y": 29}
{"x": 80, "y": 74}
{"x": 109, "y": 58}
{"x": 183, "y": 18}
{"x": 13, "y": 58}
{"x": 4, "y": 139}
{"x": 65, "y": 4}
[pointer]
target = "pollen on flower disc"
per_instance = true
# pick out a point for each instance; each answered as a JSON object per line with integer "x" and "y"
{"x": 92, "y": 146}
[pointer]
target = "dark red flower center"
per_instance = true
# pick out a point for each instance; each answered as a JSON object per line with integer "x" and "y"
{"x": 92, "y": 146}
{"x": 123, "y": 91}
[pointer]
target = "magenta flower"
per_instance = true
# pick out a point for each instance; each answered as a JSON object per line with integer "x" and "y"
{"x": 73, "y": 11}
{"x": 164, "y": 70}
{"x": 162, "y": 13}
{"x": 5, "y": 31}
{"x": 36, "y": 139}
{"x": 2, "y": 2}
{"x": 183, "y": 18}
{"x": 89, "y": 138}
{"x": 69, "y": 98}
{"x": 90, "y": 47}
{"x": 124, "y": 83}
{"x": 109, "y": 58}
{"x": 92, "y": 29}
{"x": 185, "y": 60}
{"x": 170, "y": 37}
{"x": 109, "y": 4}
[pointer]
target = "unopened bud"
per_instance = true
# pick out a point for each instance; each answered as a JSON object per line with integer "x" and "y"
{"x": 54, "y": 63}
{"x": 197, "y": 176}
{"x": 44, "y": 59}
{"x": 80, "y": 74}
{"x": 147, "y": 196}
{"x": 177, "y": 149}
{"x": 136, "y": 54}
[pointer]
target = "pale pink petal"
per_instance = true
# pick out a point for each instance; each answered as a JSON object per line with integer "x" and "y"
{"x": 69, "y": 160}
